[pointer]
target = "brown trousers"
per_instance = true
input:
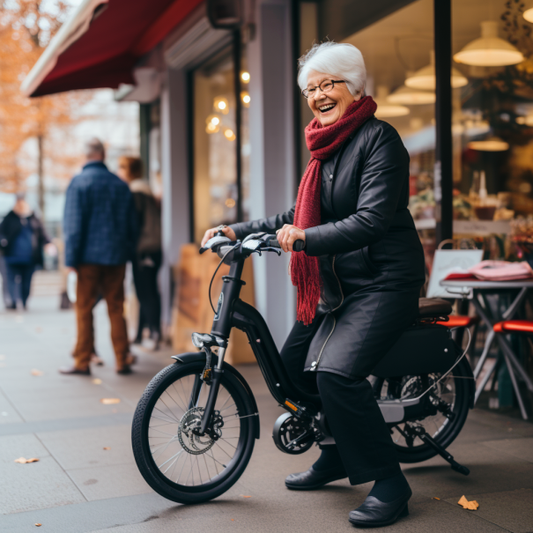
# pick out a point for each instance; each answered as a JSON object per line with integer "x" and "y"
{"x": 107, "y": 281}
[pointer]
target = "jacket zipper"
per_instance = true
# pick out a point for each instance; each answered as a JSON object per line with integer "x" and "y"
{"x": 315, "y": 366}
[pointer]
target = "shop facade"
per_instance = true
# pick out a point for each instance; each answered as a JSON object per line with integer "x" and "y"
{"x": 222, "y": 119}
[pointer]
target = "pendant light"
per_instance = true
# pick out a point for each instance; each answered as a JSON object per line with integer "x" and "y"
{"x": 407, "y": 96}
{"x": 490, "y": 144}
{"x": 386, "y": 109}
{"x": 425, "y": 77}
{"x": 528, "y": 12}
{"x": 489, "y": 50}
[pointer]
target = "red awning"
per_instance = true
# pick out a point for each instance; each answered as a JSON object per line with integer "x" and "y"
{"x": 121, "y": 31}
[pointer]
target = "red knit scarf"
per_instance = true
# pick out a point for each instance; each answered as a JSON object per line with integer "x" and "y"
{"x": 322, "y": 143}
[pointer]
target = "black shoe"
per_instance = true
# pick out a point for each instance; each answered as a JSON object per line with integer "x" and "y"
{"x": 313, "y": 479}
{"x": 125, "y": 369}
{"x": 375, "y": 513}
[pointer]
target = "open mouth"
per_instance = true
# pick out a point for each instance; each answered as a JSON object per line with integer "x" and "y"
{"x": 326, "y": 107}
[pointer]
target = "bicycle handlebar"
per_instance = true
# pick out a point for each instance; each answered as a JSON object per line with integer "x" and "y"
{"x": 220, "y": 244}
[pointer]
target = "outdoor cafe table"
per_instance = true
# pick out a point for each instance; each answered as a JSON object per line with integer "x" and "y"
{"x": 480, "y": 289}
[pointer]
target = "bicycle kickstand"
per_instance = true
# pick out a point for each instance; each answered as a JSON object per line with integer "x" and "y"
{"x": 421, "y": 433}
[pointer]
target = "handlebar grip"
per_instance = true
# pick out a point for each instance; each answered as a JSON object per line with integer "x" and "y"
{"x": 298, "y": 245}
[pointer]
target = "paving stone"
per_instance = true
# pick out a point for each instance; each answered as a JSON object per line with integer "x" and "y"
{"x": 110, "y": 481}
{"x": 35, "y": 485}
{"x": 512, "y": 510}
{"x": 8, "y": 413}
{"x": 84, "y": 448}
{"x": 521, "y": 448}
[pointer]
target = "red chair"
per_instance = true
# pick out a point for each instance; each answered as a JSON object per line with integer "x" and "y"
{"x": 514, "y": 326}
{"x": 512, "y": 361}
{"x": 460, "y": 321}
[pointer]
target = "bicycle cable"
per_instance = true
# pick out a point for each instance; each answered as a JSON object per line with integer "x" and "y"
{"x": 215, "y": 273}
{"x": 444, "y": 375}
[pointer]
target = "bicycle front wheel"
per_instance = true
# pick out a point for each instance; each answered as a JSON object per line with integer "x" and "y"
{"x": 176, "y": 462}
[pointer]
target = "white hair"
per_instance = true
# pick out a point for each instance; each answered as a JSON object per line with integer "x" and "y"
{"x": 340, "y": 60}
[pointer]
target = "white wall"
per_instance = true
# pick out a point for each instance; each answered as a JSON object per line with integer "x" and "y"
{"x": 273, "y": 163}
{"x": 174, "y": 167}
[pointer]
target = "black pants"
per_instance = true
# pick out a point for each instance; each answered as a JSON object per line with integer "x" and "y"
{"x": 361, "y": 435}
{"x": 19, "y": 281}
{"x": 145, "y": 269}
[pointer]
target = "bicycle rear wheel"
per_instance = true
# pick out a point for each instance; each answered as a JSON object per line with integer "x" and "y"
{"x": 452, "y": 391}
{"x": 177, "y": 463}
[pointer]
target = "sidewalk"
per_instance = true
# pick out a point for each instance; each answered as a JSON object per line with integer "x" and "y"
{"x": 86, "y": 479}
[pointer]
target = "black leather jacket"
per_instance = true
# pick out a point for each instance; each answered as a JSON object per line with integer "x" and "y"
{"x": 367, "y": 236}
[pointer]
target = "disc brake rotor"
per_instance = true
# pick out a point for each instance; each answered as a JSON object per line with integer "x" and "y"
{"x": 189, "y": 440}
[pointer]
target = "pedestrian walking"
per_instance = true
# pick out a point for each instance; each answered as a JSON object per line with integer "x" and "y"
{"x": 358, "y": 278}
{"x": 147, "y": 259}
{"x": 100, "y": 236}
{"x": 22, "y": 240}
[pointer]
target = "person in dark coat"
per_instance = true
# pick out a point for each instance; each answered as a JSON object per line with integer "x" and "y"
{"x": 22, "y": 240}
{"x": 358, "y": 278}
{"x": 100, "y": 235}
{"x": 147, "y": 260}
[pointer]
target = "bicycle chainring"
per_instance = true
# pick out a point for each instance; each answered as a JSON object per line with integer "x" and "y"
{"x": 287, "y": 429}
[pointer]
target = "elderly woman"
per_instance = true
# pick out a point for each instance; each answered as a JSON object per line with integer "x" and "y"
{"x": 358, "y": 278}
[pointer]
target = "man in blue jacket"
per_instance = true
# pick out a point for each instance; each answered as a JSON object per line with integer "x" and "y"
{"x": 100, "y": 235}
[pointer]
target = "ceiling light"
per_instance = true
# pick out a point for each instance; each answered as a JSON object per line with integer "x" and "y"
{"x": 425, "y": 77}
{"x": 385, "y": 109}
{"x": 407, "y": 96}
{"x": 221, "y": 105}
{"x": 245, "y": 76}
{"x": 489, "y": 50}
{"x": 229, "y": 135}
{"x": 491, "y": 144}
{"x": 245, "y": 97}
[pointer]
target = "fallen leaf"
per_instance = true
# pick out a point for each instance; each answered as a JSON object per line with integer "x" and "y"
{"x": 97, "y": 381}
{"x": 23, "y": 460}
{"x": 470, "y": 505}
{"x": 36, "y": 372}
{"x": 245, "y": 496}
{"x": 107, "y": 448}
{"x": 233, "y": 519}
{"x": 110, "y": 401}
{"x": 38, "y": 524}
{"x": 435, "y": 498}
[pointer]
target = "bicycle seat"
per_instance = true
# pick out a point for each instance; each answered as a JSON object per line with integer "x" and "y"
{"x": 433, "y": 308}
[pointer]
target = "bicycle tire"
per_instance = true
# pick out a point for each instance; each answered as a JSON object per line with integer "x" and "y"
{"x": 143, "y": 453}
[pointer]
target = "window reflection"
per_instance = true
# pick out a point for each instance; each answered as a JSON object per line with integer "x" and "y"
{"x": 215, "y": 175}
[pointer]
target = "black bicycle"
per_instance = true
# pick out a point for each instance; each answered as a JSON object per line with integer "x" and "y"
{"x": 195, "y": 426}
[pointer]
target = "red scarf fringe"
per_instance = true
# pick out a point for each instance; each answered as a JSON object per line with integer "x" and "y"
{"x": 322, "y": 143}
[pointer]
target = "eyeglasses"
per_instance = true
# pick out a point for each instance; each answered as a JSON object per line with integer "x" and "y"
{"x": 325, "y": 86}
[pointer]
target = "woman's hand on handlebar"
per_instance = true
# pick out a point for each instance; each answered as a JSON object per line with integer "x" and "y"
{"x": 226, "y": 230}
{"x": 287, "y": 235}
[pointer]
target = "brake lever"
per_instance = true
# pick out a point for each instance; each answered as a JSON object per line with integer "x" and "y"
{"x": 271, "y": 249}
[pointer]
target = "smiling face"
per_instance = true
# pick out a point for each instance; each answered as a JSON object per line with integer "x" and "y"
{"x": 329, "y": 107}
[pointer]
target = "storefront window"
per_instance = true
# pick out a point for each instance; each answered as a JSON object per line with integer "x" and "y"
{"x": 492, "y": 120}
{"x": 215, "y": 176}
{"x": 216, "y": 138}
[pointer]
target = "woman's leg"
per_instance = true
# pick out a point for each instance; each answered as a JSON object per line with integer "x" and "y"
{"x": 294, "y": 352}
{"x": 361, "y": 435}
